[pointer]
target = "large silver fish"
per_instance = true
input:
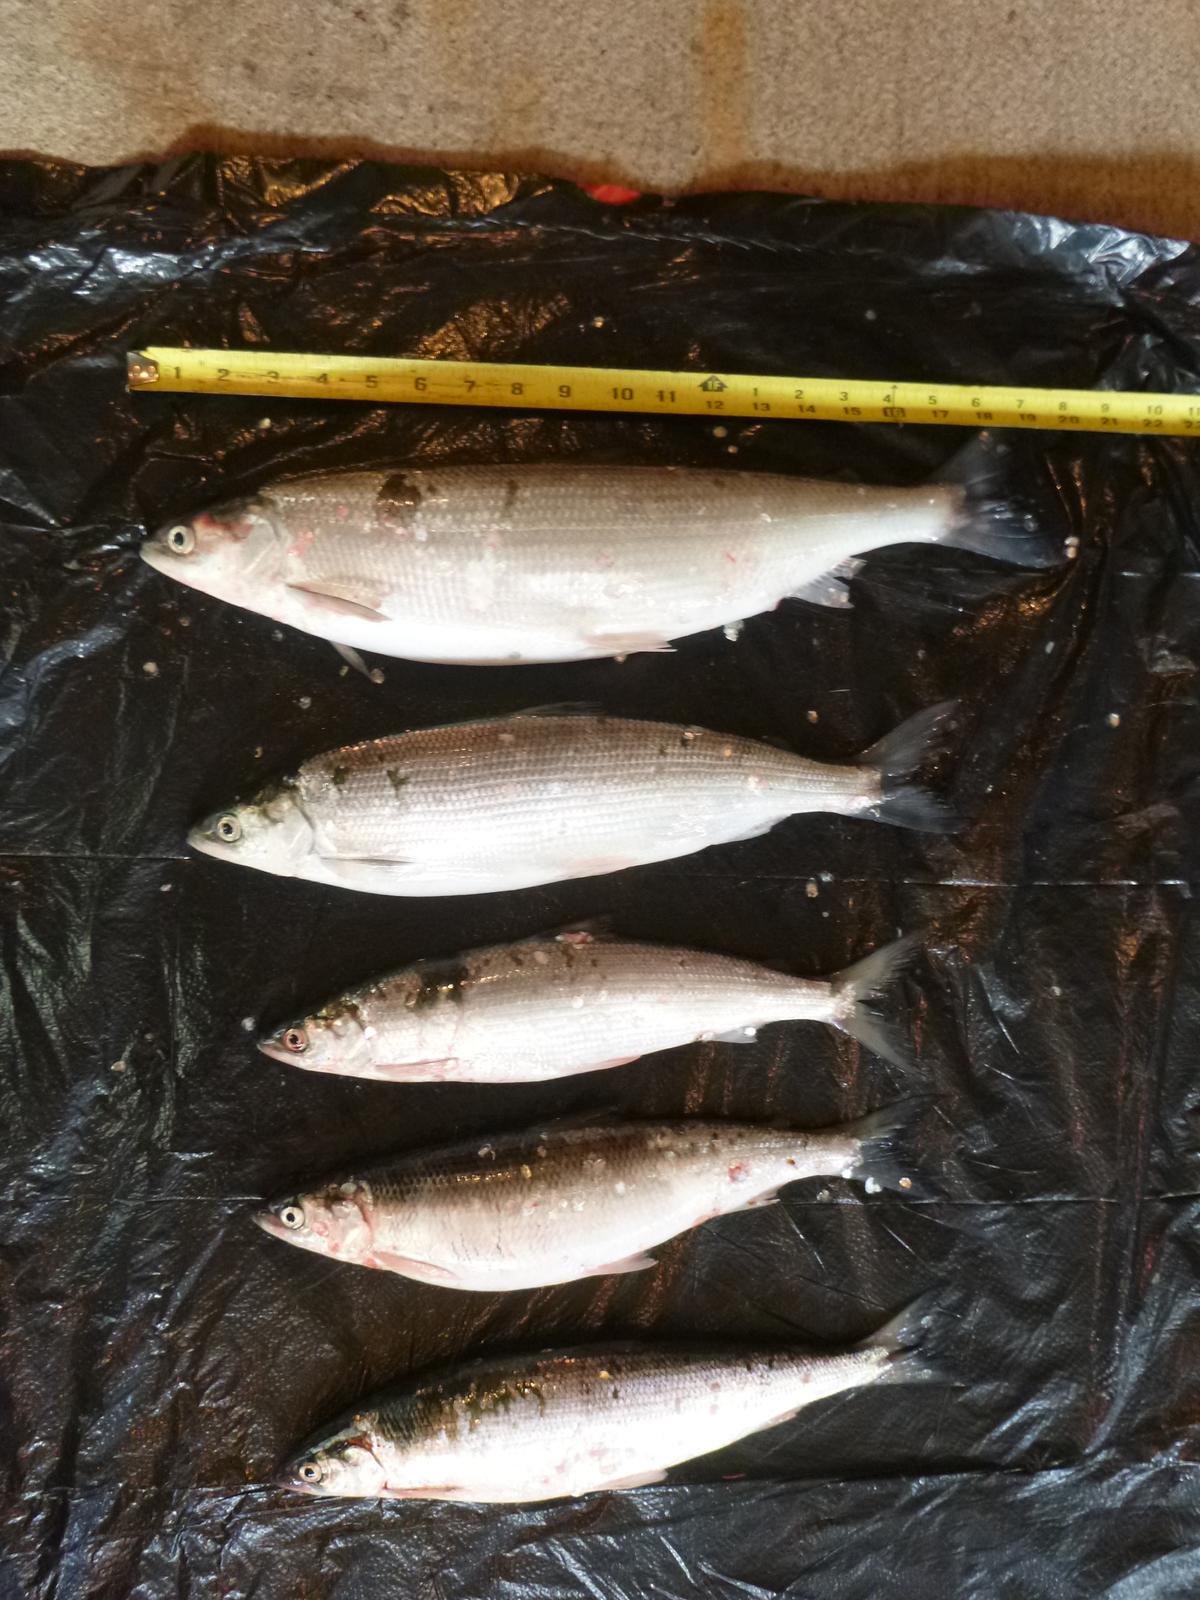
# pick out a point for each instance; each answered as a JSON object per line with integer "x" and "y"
{"x": 515, "y": 801}
{"x": 571, "y": 1422}
{"x": 580, "y": 1000}
{"x": 521, "y": 1210}
{"x": 498, "y": 564}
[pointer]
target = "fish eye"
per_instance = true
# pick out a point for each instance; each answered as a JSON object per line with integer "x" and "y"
{"x": 295, "y": 1040}
{"x": 309, "y": 1471}
{"x": 292, "y": 1216}
{"x": 228, "y": 829}
{"x": 181, "y": 539}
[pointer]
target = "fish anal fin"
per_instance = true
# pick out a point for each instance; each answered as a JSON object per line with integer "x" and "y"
{"x": 755, "y": 1203}
{"x": 640, "y": 1263}
{"x": 634, "y": 1480}
{"x": 629, "y": 644}
{"x": 755, "y": 832}
{"x": 827, "y": 589}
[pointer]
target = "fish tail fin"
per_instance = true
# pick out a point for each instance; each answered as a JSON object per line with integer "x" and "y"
{"x": 873, "y": 1149}
{"x": 990, "y": 519}
{"x": 861, "y": 993}
{"x": 899, "y": 1345}
{"x": 896, "y": 764}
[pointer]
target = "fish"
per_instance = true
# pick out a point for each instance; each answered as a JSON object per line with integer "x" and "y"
{"x": 493, "y": 565}
{"x": 518, "y": 1211}
{"x": 478, "y": 807}
{"x": 571, "y": 1002}
{"x": 570, "y": 1422}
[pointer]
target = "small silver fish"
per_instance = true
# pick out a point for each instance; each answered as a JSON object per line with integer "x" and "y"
{"x": 515, "y": 801}
{"x": 521, "y": 1210}
{"x": 577, "y": 1001}
{"x": 500, "y": 564}
{"x": 572, "y": 1422}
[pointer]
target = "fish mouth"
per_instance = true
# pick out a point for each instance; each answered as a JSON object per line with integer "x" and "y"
{"x": 270, "y": 1223}
{"x": 277, "y": 1052}
{"x": 202, "y": 841}
{"x": 153, "y": 554}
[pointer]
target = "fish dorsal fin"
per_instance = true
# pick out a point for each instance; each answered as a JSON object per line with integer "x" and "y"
{"x": 589, "y": 930}
{"x": 566, "y": 708}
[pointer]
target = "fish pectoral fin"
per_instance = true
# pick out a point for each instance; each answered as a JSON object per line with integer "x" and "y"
{"x": 829, "y": 588}
{"x": 450, "y": 1491}
{"x": 345, "y": 597}
{"x": 635, "y": 1480}
{"x": 435, "y": 1067}
{"x": 628, "y": 644}
{"x": 410, "y": 1267}
{"x": 630, "y": 1264}
{"x": 354, "y": 872}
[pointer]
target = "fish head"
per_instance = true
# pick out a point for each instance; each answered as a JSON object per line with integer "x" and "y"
{"x": 334, "y": 1039}
{"x": 234, "y": 552}
{"x": 334, "y": 1221}
{"x": 342, "y": 1463}
{"x": 270, "y": 832}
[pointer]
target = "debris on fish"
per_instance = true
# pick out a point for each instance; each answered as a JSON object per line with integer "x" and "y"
{"x": 575, "y": 1002}
{"x": 560, "y": 562}
{"x": 577, "y": 1421}
{"x": 520, "y": 1210}
{"x": 514, "y": 801}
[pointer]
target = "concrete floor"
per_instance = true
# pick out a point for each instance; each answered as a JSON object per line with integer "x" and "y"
{"x": 1079, "y": 107}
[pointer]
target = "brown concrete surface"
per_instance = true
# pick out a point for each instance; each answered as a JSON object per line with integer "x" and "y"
{"x": 1085, "y": 108}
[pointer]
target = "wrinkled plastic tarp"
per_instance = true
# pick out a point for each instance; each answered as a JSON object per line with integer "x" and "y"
{"x": 159, "y": 1354}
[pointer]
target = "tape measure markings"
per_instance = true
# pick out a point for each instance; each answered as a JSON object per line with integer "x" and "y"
{"x": 168, "y": 369}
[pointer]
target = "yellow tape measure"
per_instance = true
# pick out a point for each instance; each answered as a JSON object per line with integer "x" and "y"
{"x": 160, "y": 369}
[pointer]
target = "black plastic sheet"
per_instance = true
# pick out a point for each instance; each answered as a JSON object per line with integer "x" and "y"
{"x": 158, "y": 1354}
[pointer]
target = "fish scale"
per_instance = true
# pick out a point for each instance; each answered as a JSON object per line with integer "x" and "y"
{"x": 508, "y": 785}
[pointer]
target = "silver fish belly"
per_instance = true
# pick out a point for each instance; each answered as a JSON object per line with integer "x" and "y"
{"x": 499, "y": 564}
{"x": 520, "y": 1211}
